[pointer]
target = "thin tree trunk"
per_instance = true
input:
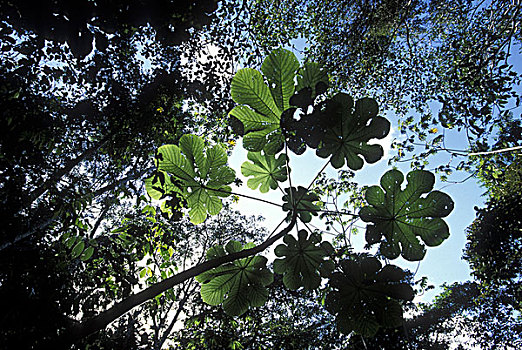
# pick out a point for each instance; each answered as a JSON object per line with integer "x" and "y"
{"x": 54, "y": 178}
{"x": 166, "y": 333}
{"x": 49, "y": 221}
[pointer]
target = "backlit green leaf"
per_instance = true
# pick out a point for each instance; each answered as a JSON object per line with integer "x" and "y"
{"x": 400, "y": 217}
{"x": 87, "y": 253}
{"x": 200, "y": 175}
{"x": 266, "y": 171}
{"x": 260, "y": 105}
{"x": 302, "y": 259}
{"x": 237, "y": 285}
{"x": 77, "y": 250}
{"x": 279, "y": 68}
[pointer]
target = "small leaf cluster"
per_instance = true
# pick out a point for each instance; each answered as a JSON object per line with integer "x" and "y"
{"x": 78, "y": 247}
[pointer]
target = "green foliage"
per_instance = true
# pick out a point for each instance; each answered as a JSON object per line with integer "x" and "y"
{"x": 202, "y": 177}
{"x": 398, "y": 216}
{"x": 261, "y": 106}
{"x": 238, "y": 285}
{"x": 302, "y": 201}
{"x": 364, "y": 296}
{"x": 309, "y": 76}
{"x": 161, "y": 185}
{"x": 78, "y": 247}
{"x": 303, "y": 261}
{"x": 266, "y": 171}
{"x": 385, "y": 49}
{"x": 494, "y": 245}
{"x": 279, "y": 69}
{"x": 354, "y": 128}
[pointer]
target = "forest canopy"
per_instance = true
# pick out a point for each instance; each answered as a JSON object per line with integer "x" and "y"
{"x": 121, "y": 225}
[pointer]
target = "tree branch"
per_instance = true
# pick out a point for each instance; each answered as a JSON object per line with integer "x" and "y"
{"x": 496, "y": 151}
{"x": 99, "y": 322}
{"x": 49, "y": 221}
{"x": 36, "y": 193}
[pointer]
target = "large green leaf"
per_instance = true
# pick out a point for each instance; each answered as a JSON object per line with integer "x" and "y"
{"x": 260, "y": 106}
{"x": 249, "y": 88}
{"x": 200, "y": 175}
{"x": 279, "y": 68}
{"x": 302, "y": 201}
{"x": 347, "y": 142}
{"x": 303, "y": 260}
{"x": 399, "y": 216}
{"x": 265, "y": 169}
{"x": 364, "y": 296}
{"x": 238, "y": 285}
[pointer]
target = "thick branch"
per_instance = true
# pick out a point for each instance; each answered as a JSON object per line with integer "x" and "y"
{"x": 28, "y": 233}
{"x": 103, "y": 319}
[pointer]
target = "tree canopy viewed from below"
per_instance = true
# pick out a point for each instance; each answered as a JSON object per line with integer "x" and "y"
{"x": 124, "y": 224}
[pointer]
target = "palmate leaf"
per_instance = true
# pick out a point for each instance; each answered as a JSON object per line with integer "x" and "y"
{"x": 201, "y": 177}
{"x": 364, "y": 296}
{"x": 260, "y": 106}
{"x": 303, "y": 261}
{"x": 309, "y": 128}
{"x": 238, "y": 285}
{"x": 398, "y": 217}
{"x": 300, "y": 200}
{"x": 347, "y": 142}
{"x": 265, "y": 170}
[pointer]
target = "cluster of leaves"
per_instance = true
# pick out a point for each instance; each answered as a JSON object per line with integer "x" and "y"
{"x": 494, "y": 247}
{"x": 268, "y": 113}
{"x": 340, "y": 130}
{"x": 288, "y": 320}
{"x": 273, "y": 117}
{"x": 410, "y": 53}
{"x": 89, "y": 127}
{"x": 80, "y": 23}
{"x": 79, "y": 125}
